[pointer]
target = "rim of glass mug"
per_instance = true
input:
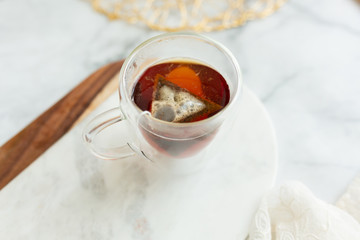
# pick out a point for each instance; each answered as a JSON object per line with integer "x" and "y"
{"x": 163, "y": 37}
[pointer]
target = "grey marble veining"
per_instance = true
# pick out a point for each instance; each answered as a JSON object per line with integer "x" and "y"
{"x": 303, "y": 62}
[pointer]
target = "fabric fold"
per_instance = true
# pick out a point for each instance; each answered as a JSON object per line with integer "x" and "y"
{"x": 292, "y": 212}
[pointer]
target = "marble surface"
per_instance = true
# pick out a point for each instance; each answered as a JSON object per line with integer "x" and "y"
{"x": 303, "y": 62}
{"x": 70, "y": 194}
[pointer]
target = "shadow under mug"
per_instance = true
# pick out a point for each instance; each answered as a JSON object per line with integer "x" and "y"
{"x": 178, "y": 145}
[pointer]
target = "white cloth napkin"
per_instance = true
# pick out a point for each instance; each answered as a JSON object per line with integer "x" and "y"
{"x": 292, "y": 212}
{"x": 350, "y": 201}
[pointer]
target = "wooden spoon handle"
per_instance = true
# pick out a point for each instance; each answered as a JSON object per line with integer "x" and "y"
{"x": 26, "y": 146}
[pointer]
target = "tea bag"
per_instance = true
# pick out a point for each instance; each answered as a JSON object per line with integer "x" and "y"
{"x": 172, "y": 103}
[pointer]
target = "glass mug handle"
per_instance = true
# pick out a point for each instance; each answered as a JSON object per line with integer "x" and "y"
{"x": 96, "y": 126}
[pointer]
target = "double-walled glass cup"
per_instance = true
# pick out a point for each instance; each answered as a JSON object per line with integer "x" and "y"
{"x": 174, "y": 145}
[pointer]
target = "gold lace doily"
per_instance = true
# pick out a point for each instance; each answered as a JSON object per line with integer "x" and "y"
{"x": 196, "y": 15}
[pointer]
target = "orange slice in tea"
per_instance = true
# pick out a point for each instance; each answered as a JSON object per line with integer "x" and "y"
{"x": 186, "y": 78}
{"x": 173, "y": 103}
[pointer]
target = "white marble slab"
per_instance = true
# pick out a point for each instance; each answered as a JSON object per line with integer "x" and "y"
{"x": 303, "y": 62}
{"x": 69, "y": 194}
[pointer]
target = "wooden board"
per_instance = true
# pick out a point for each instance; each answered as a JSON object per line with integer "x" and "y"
{"x": 26, "y": 146}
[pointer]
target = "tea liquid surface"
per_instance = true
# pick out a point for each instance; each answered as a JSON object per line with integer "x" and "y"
{"x": 181, "y": 91}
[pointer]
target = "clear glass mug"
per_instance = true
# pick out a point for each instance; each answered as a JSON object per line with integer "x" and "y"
{"x": 174, "y": 145}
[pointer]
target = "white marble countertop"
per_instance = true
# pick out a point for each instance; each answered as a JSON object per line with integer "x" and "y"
{"x": 303, "y": 62}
